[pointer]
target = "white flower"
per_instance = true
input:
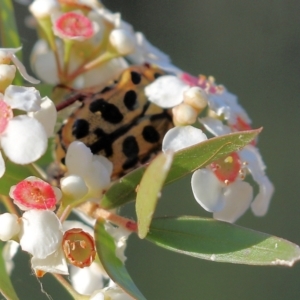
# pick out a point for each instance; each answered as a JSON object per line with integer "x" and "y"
{"x": 226, "y": 104}
{"x": 219, "y": 188}
{"x": 23, "y": 139}
{"x": 253, "y": 163}
{"x": 95, "y": 170}
{"x": 41, "y": 235}
{"x": 227, "y": 202}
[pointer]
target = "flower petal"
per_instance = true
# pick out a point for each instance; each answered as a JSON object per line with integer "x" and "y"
{"x": 41, "y": 233}
{"x": 227, "y": 104}
{"x": 43, "y": 62}
{"x": 53, "y": 263}
{"x": 215, "y": 126}
{"x": 181, "y": 137}
{"x": 23, "y": 98}
{"x": 22, "y": 70}
{"x": 86, "y": 280}
{"x": 262, "y": 200}
{"x": 256, "y": 167}
{"x": 207, "y": 190}
{"x": 10, "y": 249}
{"x": 99, "y": 76}
{"x": 238, "y": 197}
{"x": 24, "y": 140}
{"x": 46, "y": 115}
{"x": 166, "y": 91}
{"x": 78, "y": 157}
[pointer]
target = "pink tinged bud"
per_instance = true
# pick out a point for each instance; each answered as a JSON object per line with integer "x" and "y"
{"x": 9, "y": 226}
{"x": 34, "y": 193}
{"x": 5, "y": 115}
{"x": 79, "y": 247}
{"x": 73, "y": 25}
{"x": 227, "y": 169}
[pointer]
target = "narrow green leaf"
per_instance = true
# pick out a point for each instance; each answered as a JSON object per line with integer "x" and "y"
{"x": 6, "y": 287}
{"x": 222, "y": 242}
{"x": 149, "y": 190}
{"x": 114, "y": 267}
{"x": 13, "y": 174}
{"x": 9, "y": 32}
{"x": 184, "y": 162}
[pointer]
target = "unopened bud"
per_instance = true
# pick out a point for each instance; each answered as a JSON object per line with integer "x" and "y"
{"x": 73, "y": 186}
{"x": 196, "y": 98}
{"x": 9, "y": 226}
{"x": 7, "y": 75}
{"x": 43, "y": 8}
{"x": 123, "y": 41}
{"x": 184, "y": 114}
{"x": 5, "y": 57}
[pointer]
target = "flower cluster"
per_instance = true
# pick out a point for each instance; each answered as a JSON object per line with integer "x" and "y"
{"x": 83, "y": 45}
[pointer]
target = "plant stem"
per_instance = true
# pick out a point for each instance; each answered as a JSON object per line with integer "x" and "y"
{"x": 95, "y": 211}
{"x": 9, "y": 205}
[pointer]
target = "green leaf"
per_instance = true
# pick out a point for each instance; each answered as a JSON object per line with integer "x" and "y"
{"x": 184, "y": 162}
{"x": 6, "y": 287}
{"x": 222, "y": 242}
{"x": 149, "y": 190}
{"x": 114, "y": 267}
{"x": 9, "y": 32}
{"x": 13, "y": 174}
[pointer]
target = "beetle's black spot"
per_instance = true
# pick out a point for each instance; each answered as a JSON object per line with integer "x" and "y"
{"x": 106, "y": 89}
{"x": 150, "y": 134}
{"x": 130, "y": 163}
{"x": 104, "y": 143}
{"x": 99, "y": 132}
{"x": 163, "y": 115}
{"x": 130, "y": 147}
{"x": 63, "y": 160}
{"x": 109, "y": 112}
{"x": 135, "y": 77}
{"x": 80, "y": 128}
{"x": 130, "y": 99}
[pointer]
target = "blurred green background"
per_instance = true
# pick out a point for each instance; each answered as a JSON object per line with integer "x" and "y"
{"x": 252, "y": 47}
